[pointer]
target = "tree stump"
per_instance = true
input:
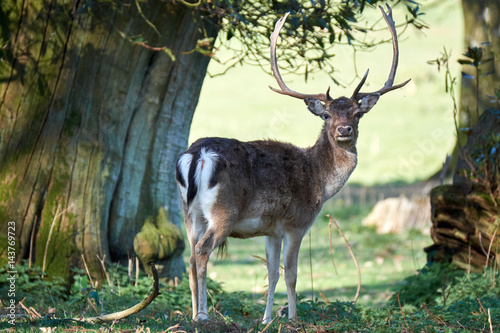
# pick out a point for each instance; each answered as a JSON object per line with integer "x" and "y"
{"x": 464, "y": 228}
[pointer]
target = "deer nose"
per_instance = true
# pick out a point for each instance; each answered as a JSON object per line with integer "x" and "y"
{"x": 344, "y": 130}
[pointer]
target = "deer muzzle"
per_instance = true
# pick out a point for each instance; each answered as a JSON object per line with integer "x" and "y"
{"x": 344, "y": 133}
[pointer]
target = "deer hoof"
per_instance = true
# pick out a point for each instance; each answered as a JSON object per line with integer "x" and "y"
{"x": 201, "y": 317}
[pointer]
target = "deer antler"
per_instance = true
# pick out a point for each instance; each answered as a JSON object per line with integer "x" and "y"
{"x": 274, "y": 66}
{"x": 388, "y": 86}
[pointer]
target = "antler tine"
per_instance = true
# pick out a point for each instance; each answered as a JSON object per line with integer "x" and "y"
{"x": 358, "y": 88}
{"x": 274, "y": 66}
{"x": 388, "y": 86}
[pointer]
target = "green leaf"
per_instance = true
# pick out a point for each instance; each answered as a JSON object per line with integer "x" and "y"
{"x": 332, "y": 37}
{"x": 465, "y": 62}
{"x": 230, "y": 33}
{"x": 84, "y": 282}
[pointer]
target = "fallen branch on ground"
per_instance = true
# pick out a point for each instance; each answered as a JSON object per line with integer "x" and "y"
{"x": 353, "y": 258}
{"x": 132, "y": 310}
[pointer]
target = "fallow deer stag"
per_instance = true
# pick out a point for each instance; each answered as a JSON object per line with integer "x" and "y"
{"x": 267, "y": 188}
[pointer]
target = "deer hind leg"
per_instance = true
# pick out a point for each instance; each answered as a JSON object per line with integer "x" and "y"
{"x": 213, "y": 237}
{"x": 193, "y": 236}
{"x": 291, "y": 246}
{"x": 273, "y": 249}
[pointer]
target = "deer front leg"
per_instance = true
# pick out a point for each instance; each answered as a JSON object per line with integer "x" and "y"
{"x": 291, "y": 246}
{"x": 273, "y": 249}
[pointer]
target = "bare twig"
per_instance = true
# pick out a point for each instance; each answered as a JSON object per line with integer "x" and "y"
{"x": 267, "y": 326}
{"x": 434, "y": 317}
{"x": 92, "y": 305}
{"x": 482, "y": 247}
{"x": 353, "y": 258}
{"x": 56, "y": 216}
{"x": 325, "y": 300}
{"x": 106, "y": 273}
{"x": 481, "y": 305}
{"x": 468, "y": 267}
{"x": 130, "y": 268}
{"x": 489, "y": 321}
{"x": 137, "y": 271}
{"x": 192, "y": 5}
{"x": 331, "y": 246}
{"x": 152, "y": 48}
{"x": 139, "y": 9}
{"x": 492, "y": 239}
{"x": 30, "y": 311}
{"x": 48, "y": 238}
{"x": 87, "y": 271}
{"x": 402, "y": 312}
{"x": 31, "y": 241}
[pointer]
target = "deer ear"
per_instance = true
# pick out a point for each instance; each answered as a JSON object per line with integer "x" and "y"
{"x": 368, "y": 102}
{"x": 315, "y": 106}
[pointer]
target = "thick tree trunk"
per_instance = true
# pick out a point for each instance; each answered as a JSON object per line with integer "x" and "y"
{"x": 481, "y": 22}
{"x": 92, "y": 120}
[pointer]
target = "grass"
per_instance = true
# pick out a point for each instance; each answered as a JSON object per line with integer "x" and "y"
{"x": 404, "y": 138}
{"x": 395, "y": 296}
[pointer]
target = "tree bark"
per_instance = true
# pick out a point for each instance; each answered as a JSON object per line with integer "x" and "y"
{"x": 92, "y": 118}
{"x": 481, "y": 22}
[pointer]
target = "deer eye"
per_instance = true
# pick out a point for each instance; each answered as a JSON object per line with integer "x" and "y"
{"x": 358, "y": 115}
{"x": 325, "y": 116}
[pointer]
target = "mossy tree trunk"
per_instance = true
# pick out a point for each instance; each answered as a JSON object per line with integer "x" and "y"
{"x": 92, "y": 118}
{"x": 481, "y": 22}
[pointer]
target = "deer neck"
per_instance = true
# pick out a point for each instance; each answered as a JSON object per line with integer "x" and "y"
{"x": 336, "y": 161}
